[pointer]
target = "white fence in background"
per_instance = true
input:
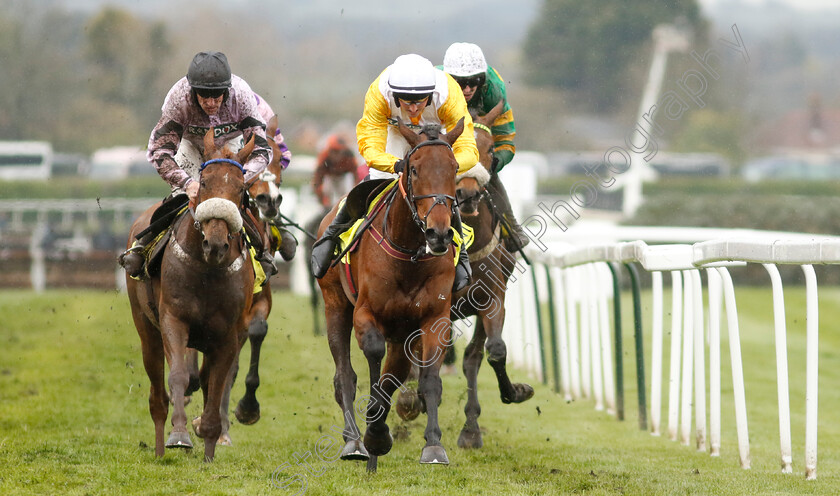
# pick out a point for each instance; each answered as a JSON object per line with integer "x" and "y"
{"x": 580, "y": 284}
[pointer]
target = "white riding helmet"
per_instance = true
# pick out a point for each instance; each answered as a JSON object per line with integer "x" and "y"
{"x": 463, "y": 60}
{"x": 412, "y": 74}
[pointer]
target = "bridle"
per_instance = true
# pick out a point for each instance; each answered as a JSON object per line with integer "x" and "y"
{"x": 243, "y": 201}
{"x": 411, "y": 200}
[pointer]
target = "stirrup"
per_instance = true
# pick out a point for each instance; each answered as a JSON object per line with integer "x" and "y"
{"x": 133, "y": 261}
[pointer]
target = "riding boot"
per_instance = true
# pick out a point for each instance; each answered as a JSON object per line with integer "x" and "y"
{"x": 324, "y": 249}
{"x": 288, "y": 245}
{"x": 264, "y": 254}
{"x": 463, "y": 271}
{"x": 133, "y": 260}
{"x": 514, "y": 238}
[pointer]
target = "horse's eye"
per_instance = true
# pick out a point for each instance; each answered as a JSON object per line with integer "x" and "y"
{"x": 414, "y": 171}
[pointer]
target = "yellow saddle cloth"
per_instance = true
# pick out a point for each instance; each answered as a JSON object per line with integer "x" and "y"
{"x": 347, "y": 237}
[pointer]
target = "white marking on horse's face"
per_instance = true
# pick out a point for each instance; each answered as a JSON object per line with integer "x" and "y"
{"x": 227, "y": 177}
{"x": 273, "y": 191}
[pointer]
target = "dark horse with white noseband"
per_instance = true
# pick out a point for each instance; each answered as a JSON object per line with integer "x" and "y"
{"x": 200, "y": 299}
{"x": 402, "y": 272}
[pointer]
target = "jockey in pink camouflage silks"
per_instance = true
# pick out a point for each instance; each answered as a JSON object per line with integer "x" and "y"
{"x": 208, "y": 96}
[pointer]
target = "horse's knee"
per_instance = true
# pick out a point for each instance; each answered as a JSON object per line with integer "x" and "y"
{"x": 257, "y": 330}
{"x": 178, "y": 379}
{"x": 496, "y": 351}
{"x": 430, "y": 387}
{"x": 373, "y": 345}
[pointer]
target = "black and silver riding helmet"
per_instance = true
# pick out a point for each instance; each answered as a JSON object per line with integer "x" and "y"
{"x": 209, "y": 71}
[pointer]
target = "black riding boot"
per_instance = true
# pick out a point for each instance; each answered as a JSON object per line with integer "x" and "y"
{"x": 288, "y": 244}
{"x": 324, "y": 249}
{"x": 515, "y": 239}
{"x": 463, "y": 271}
{"x": 133, "y": 260}
{"x": 260, "y": 242}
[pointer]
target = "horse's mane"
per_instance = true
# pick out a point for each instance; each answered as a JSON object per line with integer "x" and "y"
{"x": 432, "y": 131}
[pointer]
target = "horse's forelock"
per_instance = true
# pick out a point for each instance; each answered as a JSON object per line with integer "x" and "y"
{"x": 432, "y": 131}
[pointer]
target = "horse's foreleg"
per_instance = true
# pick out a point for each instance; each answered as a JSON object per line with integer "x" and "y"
{"x": 224, "y": 436}
{"x": 339, "y": 329}
{"x": 497, "y": 358}
{"x": 192, "y": 369}
{"x": 175, "y": 345}
{"x": 248, "y": 408}
{"x": 471, "y": 433}
{"x": 378, "y": 439}
{"x": 430, "y": 390}
{"x": 219, "y": 362}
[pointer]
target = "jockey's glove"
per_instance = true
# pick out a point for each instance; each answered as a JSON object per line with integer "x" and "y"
{"x": 399, "y": 166}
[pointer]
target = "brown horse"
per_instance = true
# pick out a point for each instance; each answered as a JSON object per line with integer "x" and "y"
{"x": 492, "y": 266}
{"x": 403, "y": 294}
{"x": 265, "y": 199}
{"x": 200, "y": 299}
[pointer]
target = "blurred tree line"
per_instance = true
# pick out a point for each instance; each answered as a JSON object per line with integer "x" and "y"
{"x": 79, "y": 82}
{"x": 597, "y": 55}
{"x": 84, "y": 81}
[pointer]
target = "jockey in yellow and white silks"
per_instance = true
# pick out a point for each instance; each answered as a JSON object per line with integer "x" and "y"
{"x": 412, "y": 90}
{"x": 381, "y": 144}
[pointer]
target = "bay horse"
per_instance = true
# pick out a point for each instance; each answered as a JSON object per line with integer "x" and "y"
{"x": 402, "y": 271}
{"x": 492, "y": 266}
{"x": 199, "y": 299}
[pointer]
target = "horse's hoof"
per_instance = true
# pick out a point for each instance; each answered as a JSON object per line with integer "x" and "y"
{"x": 434, "y": 454}
{"x": 224, "y": 440}
{"x": 179, "y": 440}
{"x": 408, "y": 405}
{"x": 354, "y": 450}
{"x": 196, "y": 425}
{"x": 521, "y": 392}
{"x": 470, "y": 439}
{"x": 378, "y": 443}
{"x": 247, "y": 416}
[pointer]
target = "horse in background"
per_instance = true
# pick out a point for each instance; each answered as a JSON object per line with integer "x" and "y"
{"x": 401, "y": 273}
{"x": 492, "y": 267}
{"x": 199, "y": 299}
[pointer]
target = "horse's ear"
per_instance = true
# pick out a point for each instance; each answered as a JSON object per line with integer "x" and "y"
{"x": 489, "y": 118}
{"x": 456, "y": 131}
{"x": 271, "y": 127}
{"x": 209, "y": 144}
{"x": 245, "y": 151}
{"x": 409, "y": 135}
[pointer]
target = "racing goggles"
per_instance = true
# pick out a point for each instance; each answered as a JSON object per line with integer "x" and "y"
{"x": 210, "y": 92}
{"x": 474, "y": 81}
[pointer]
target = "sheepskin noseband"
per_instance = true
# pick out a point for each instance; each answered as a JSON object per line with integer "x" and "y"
{"x": 478, "y": 172}
{"x": 219, "y": 208}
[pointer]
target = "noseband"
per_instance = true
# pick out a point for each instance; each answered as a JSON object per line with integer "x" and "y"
{"x": 218, "y": 207}
{"x": 411, "y": 198}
